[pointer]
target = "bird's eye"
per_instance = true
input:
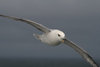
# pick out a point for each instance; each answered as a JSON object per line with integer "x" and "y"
{"x": 59, "y": 35}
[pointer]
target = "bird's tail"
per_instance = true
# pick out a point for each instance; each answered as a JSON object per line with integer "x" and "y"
{"x": 37, "y": 36}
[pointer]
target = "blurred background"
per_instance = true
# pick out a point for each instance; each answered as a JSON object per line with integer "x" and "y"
{"x": 79, "y": 19}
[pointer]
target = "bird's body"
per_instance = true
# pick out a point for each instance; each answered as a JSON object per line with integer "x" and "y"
{"x": 54, "y": 37}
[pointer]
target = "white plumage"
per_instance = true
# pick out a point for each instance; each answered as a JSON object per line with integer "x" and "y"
{"x": 54, "y": 37}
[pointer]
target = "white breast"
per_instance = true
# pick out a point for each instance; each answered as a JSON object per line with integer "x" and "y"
{"x": 49, "y": 39}
{"x": 52, "y": 37}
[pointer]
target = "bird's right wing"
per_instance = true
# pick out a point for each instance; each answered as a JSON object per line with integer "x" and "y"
{"x": 36, "y": 25}
{"x": 82, "y": 52}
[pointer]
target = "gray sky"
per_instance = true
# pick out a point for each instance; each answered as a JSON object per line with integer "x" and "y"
{"x": 79, "y": 19}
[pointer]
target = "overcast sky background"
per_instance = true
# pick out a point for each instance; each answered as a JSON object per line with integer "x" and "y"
{"x": 79, "y": 19}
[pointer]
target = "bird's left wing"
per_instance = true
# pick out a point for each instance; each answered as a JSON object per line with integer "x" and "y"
{"x": 36, "y": 25}
{"x": 82, "y": 52}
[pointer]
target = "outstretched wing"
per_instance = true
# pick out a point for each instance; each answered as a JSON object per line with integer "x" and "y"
{"x": 82, "y": 52}
{"x": 37, "y": 25}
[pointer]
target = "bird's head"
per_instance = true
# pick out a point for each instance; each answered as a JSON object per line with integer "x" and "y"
{"x": 59, "y": 35}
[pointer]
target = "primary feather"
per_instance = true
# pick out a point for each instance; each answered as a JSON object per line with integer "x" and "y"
{"x": 36, "y": 25}
{"x": 82, "y": 52}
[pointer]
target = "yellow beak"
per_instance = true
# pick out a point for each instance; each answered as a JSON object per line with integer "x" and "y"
{"x": 62, "y": 41}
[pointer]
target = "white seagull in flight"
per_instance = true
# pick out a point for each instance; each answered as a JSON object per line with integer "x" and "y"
{"x": 54, "y": 37}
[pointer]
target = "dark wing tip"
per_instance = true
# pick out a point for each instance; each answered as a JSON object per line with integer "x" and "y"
{"x": 36, "y": 25}
{"x": 82, "y": 52}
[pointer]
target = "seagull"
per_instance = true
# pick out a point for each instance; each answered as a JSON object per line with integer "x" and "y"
{"x": 55, "y": 37}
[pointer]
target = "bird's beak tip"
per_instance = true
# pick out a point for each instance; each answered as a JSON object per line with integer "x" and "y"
{"x": 62, "y": 41}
